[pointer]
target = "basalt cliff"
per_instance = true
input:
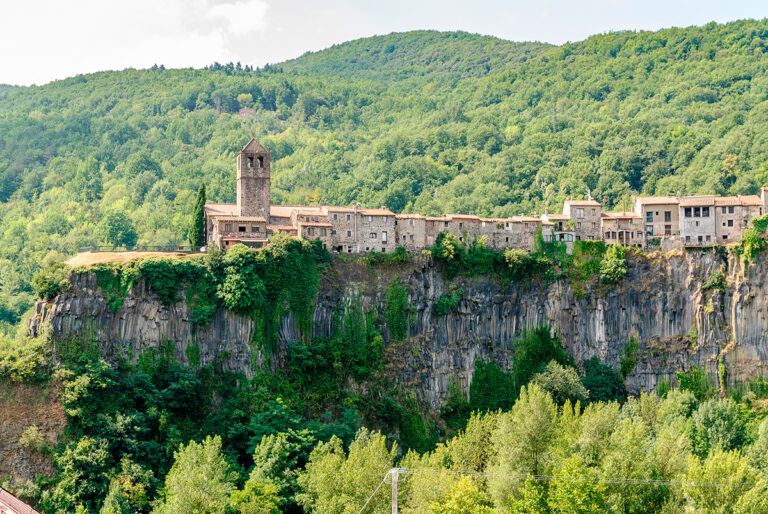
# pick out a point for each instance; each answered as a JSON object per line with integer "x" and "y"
{"x": 661, "y": 304}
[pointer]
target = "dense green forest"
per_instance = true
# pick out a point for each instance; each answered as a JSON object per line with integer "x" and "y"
{"x": 423, "y": 121}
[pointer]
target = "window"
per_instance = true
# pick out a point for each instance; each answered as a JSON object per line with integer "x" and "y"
{"x": 687, "y": 212}
{"x": 697, "y": 212}
{"x": 410, "y": 222}
{"x": 311, "y": 231}
{"x": 507, "y": 240}
{"x": 349, "y": 233}
{"x": 261, "y": 161}
{"x": 649, "y": 230}
{"x": 723, "y": 210}
{"x": 708, "y": 239}
{"x": 613, "y": 235}
{"x": 697, "y": 223}
{"x": 548, "y": 238}
{"x": 373, "y": 235}
{"x": 639, "y": 235}
{"x": 705, "y": 212}
{"x": 384, "y": 237}
{"x": 241, "y": 228}
{"x": 333, "y": 232}
{"x": 446, "y": 224}
{"x": 323, "y": 232}
{"x": 228, "y": 227}
{"x": 667, "y": 216}
{"x": 730, "y": 210}
{"x": 579, "y": 213}
{"x": 250, "y": 162}
{"x": 411, "y": 237}
{"x": 667, "y": 230}
{"x": 254, "y": 228}
{"x": 403, "y": 237}
{"x": 725, "y": 237}
{"x": 370, "y": 219}
{"x": 335, "y": 216}
{"x": 730, "y": 223}
{"x": 349, "y": 217}
{"x": 649, "y": 217}
{"x": 687, "y": 239}
{"x": 700, "y": 239}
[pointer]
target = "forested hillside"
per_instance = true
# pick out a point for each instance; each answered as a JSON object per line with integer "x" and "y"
{"x": 422, "y": 121}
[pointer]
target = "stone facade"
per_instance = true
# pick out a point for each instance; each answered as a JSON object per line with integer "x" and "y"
{"x": 667, "y": 221}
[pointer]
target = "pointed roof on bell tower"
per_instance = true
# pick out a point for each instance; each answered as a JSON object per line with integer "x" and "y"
{"x": 253, "y": 146}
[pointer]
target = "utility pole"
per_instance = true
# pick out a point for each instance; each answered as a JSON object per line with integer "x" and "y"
{"x": 554, "y": 117}
{"x": 393, "y": 473}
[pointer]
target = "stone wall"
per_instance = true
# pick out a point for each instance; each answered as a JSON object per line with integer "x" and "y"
{"x": 658, "y": 302}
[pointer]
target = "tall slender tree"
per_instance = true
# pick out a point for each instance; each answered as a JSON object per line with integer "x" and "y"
{"x": 197, "y": 226}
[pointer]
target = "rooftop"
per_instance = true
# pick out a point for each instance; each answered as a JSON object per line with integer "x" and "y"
{"x": 657, "y": 200}
{"x": 582, "y": 203}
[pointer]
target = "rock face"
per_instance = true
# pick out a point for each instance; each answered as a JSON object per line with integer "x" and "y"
{"x": 660, "y": 304}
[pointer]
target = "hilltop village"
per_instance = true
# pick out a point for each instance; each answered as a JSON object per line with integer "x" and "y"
{"x": 664, "y": 222}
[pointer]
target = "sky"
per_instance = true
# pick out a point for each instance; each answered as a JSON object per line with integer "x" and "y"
{"x": 45, "y": 40}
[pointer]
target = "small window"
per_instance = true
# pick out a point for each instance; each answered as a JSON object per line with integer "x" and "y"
{"x": 348, "y": 217}
{"x": 261, "y": 161}
{"x": 687, "y": 212}
{"x": 649, "y": 217}
{"x": 705, "y": 212}
{"x": 701, "y": 239}
{"x": 250, "y": 162}
{"x": 373, "y": 235}
{"x": 323, "y": 232}
{"x": 411, "y": 237}
{"x": 730, "y": 210}
{"x": 730, "y": 223}
{"x": 254, "y": 228}
{"x": 697, "y": 212}
{"x": 333, "y": 232}
{"x": 403, "y": 237}
{"x": 349, "y": 233}
{"x": 411, "y": 222}
{"x": 228, "y": 227}
{"x": 708, "y": 239}
{"x": 370, "y": 219}
{"x": 311, "y": 231}
{"x": 667, "y": 230}
{"x": 667, "y": 216}
{"x": 384, "y": 237}
{"x": 723, "y": 210}
{"x": 241, "y": 228}
{"x": 446, "y": 224}
{"x": 725, "y": 237}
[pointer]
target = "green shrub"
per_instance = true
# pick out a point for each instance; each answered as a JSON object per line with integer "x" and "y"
{"x": 115, "y": 280}
{"x": 534, "y": 350}
{"x": 492, "y": 388}
{"x": 614, "y": 264}
{"x": 399, "y": 256}
{"x": 396, "y": 310}
{"x": 447, "y": 302}
{"x": 629, "y": 357}
{"x": 562, "y": 382}
{"x": 697, "y": 381}
{"x": 760, "y": 223}
{"x": 456, "y": 410}
{"x": 602, "y": 381}
{"x": 662, "y": 387}
{"x": 716, "y": 280}
{"x": 751, "y": 244}
{"x": 51, "y": 280}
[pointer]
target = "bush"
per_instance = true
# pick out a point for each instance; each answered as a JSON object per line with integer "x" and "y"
{"x": 51, "y": 280}
{"x": 716, "y": 280}
{"x": 447, "y": 302}
{"x": 396, "y": 309}
{"x": 614, "y": 264}
{"x": 629, "y": 357}
{"x": 562, "y": 383}
{"x": 534, "y": 350}
{"x": 603, "y": 382}
{"x": 492, "y": 388}
{"x": 697, "y": 381}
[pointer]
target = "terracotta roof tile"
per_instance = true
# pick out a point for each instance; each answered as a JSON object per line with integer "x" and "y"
{"x": 14, "y": 504}
{"x": 658, "y": 200}
{"x": 589, "y": 203}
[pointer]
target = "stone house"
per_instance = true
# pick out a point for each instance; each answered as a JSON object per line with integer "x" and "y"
{"x": 377, "y": 230}
{"x": 623, "y": 227}
{"x": 660, "y": 215}
{"x": 411, "y": 231}
{"x": 697, "y": 220}
{"x": 732, "y": 215}
{"x": 561, "y": 230}
{"x": 586, "y": 218}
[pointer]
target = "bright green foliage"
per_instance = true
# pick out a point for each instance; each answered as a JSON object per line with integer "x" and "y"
{"x": 396, "y": 310}
{"x": 464, "y": 497}
{"x": 129, "y": 490}
{"x": 448, "y": 302}
{"x": 339, "y": 482}
{"x": 697, "y": 381}
{"x": 84, "y": 470}
{"x": 200, "y": 479}
{"x": 758, "y": 452}
{"x": 531, "y": 497}
{"x": 256, "y": 497}
{"x": 522, "y": 439}
{"x": 533, "y": 351}
{"x": 613, "y": 267}
{"x": 398, "y": 257}
{"x": 242, "y": 290}
{"x": 196, "y": 235}
{"x": 728, "y": 470}
{"x": 603, "y": 382}
{"x": 51, "y": 280}
{"x": 114, "y": 281}
{"x": 751, "y": 244}
{"x": 562, "y": 383}
{"x": 579, "y": 492}
{"x": 717, "y": 424}
{"x": 716, "y": 280}
{"x": 760, "y": 223}
{"x": 629, "y": 357}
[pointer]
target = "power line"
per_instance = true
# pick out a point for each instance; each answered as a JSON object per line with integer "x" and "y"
{"x": 374, "y": 492}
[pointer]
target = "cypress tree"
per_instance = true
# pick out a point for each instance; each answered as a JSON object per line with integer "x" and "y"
{"x": 197, "y": 226}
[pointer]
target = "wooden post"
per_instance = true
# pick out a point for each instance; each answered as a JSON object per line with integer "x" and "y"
{"x": 394, "y": 490}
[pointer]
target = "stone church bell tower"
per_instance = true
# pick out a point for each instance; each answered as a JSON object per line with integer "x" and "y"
{"x": 253, "y": 180}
